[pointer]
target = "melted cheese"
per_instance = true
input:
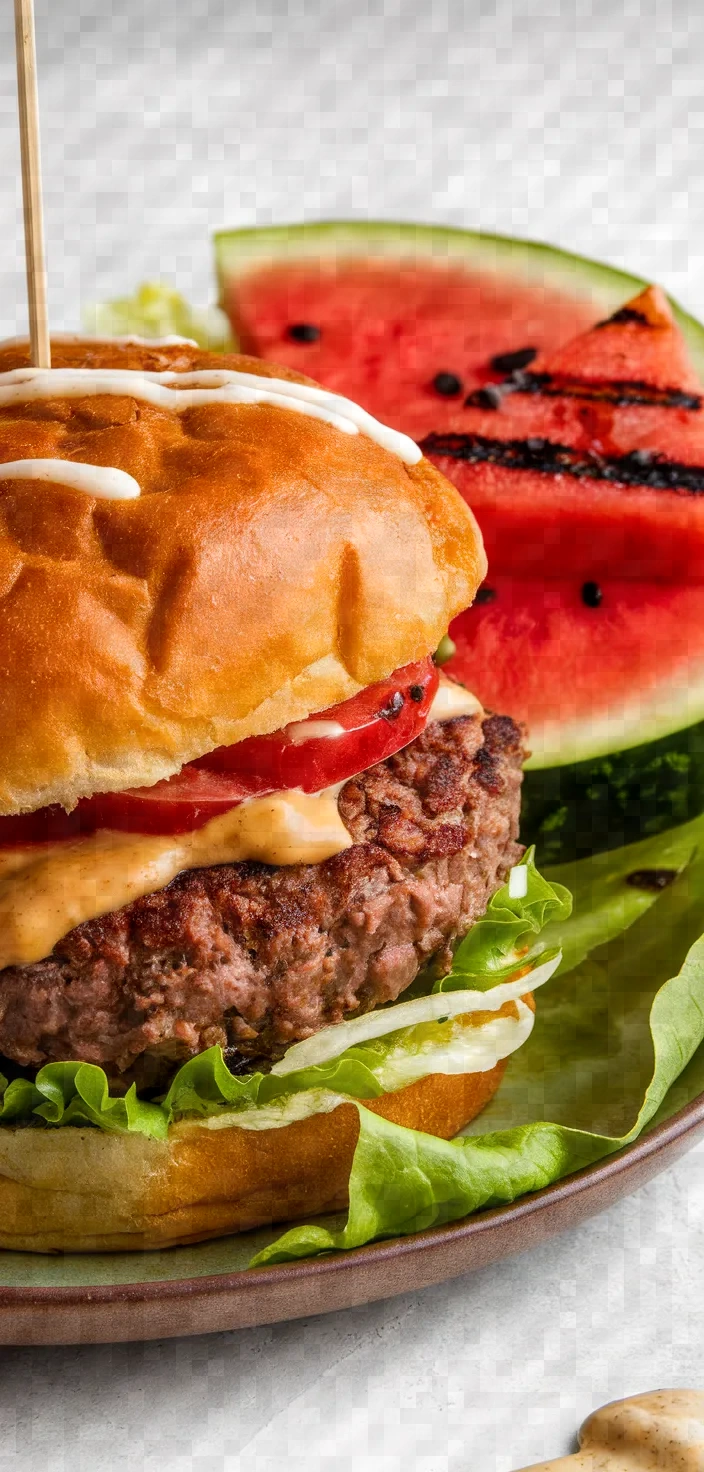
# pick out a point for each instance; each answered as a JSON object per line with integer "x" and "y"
{"x": 46, "y": 891}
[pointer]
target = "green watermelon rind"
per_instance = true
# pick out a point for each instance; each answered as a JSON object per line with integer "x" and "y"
{"x": 571, "y": 811}
{"x": 675, "y": 704}
{"x": 239, "y": 252}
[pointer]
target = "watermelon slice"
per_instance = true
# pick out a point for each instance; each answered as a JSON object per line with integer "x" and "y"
{"x": 587, "y": 475}
{"x": 563, "y": 439}
{"x": 390, "y": 314}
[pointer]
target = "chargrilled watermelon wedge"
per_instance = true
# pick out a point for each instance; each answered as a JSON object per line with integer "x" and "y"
{"x": 587, "y": 475}
{"x": 591, "y": 625}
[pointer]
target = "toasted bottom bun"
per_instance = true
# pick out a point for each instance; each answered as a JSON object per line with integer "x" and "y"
{"x": 82, "y": 1190}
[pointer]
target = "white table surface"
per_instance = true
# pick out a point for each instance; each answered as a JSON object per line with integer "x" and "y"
{"x": 579, "y": 123}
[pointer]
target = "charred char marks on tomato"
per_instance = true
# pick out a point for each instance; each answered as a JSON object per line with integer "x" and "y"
{"x": 545, "y": 457}
{"x": 416, "y": 693}
{"x": 651, "y": 879}
{"x": 509, "y": 362}
{"x": 485, "y": 595}
{"x": 617, "y": 391}
{"x": 394, "y": 707}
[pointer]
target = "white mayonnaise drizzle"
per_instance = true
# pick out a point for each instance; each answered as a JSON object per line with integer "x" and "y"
{"x": 180, "y": 391}
{"x": 104, "y": 481}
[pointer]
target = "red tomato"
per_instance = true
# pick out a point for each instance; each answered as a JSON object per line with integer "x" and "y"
{"x": 377, "y": 722}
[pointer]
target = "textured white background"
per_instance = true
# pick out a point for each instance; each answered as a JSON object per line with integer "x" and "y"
{"x": 580, "y": 123}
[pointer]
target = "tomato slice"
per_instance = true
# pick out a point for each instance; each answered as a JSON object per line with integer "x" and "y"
{"x": 377, "y": 722}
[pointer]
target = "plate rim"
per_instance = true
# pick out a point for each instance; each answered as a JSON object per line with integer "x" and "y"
{"x": 685, "y": 1121}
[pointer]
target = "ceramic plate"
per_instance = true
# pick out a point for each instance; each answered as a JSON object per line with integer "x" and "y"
{"x": 197, "y": 1290}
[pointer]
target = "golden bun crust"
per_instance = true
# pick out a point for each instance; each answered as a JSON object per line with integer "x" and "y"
{"x": 77, "y": 1190}
{"x": 271, "y": 567}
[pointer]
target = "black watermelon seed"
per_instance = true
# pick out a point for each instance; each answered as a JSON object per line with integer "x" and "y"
{"x": 509, "y": 362}
{"x": 485, "y": 595}
{"x": 416, "y": 693}
{"x": 304, "y": 332}
{"x": 652, "y": 879}
{"x": 488, "y": 397}
{"x": 394, "y": 707}
{"x": 447, "y": 384}
{"x": 591, "y": 594}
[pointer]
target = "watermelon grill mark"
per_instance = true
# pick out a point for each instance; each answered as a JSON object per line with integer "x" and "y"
{"x": 639, "y": 468}
{"x": 625, "y": 314}
{"x": 553, "y": 386}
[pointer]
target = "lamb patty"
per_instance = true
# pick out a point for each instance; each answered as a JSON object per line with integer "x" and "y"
{"x": 255, "y": 957}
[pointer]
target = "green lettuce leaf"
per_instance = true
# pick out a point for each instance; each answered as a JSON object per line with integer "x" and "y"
{"x": 506, "y": 936}
{"x": 78, "y": 1093}
{"x": 157, "y": 310}
{"x": 403, "y": 1181}
{"x": 613, "y": 1034}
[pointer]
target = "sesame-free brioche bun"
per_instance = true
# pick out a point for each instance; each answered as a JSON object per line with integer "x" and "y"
{"x": 271, "y": 567}
{"x": 83, "y": 1190}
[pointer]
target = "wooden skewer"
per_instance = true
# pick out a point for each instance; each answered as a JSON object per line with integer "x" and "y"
{"x": 40, "y": 346}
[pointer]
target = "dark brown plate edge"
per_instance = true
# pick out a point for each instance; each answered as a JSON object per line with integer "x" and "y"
{"x": 664, "y": 1138}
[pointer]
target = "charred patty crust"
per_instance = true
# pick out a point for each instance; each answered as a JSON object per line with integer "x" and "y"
{"x": 254, "y": 957}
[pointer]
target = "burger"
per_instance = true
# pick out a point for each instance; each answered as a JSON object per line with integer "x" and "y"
{"x": 245, "y": 820}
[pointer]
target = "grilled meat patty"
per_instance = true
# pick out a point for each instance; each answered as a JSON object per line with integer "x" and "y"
{"x": 254, "y": 957}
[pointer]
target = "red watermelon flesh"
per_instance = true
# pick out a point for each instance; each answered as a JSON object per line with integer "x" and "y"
{"x": 623, "y": 399}
{"x": 387, "y": 329}
{"x": 581, "y": 659}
